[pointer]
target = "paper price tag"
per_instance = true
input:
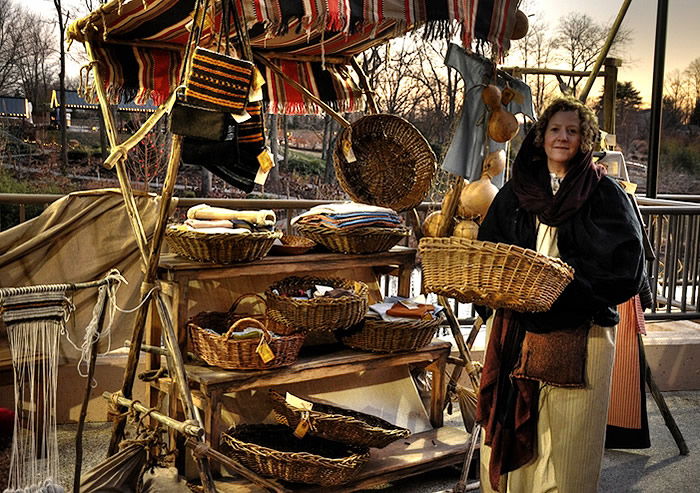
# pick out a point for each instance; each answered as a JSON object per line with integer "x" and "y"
{"x": 298, "y": 402}
{"x": 630, "y": 188}
{"x": 302, "y": 428}
{"x": 264, "y": 351}
{"x": 346, "y": 146}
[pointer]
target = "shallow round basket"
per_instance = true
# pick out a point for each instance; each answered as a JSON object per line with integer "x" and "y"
{"x": 394, "y": 164}
{"x": 293, "y": 245}
{"x": 492, "y": 274}
{"x": 382, "y": 336}
{"x": 362, "y": 240}
{"x": 239, "y": 354}
{"x": 220, "y": 248}
{"x": 324, "y": 313}
{"x": 338, "y": 424}
{"x": 272, "y": 450}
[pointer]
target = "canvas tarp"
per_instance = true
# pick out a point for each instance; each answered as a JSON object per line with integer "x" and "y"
{"x": 80, "y": 238}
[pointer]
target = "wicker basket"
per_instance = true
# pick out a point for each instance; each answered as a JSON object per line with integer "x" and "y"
{"x": 338, "y": 424}
{"x": 364, "y": 240}
{"x": 239, "y": 354}
{"x": 322, "y": 313}
{"x": 272, "y": 450}
{"x": 293, "y": 245}
{"x": 388, "y": 337}
{"x": 492, "y": 274}
{"x": 220, "y": 248}
{"x": 394, "y": 164}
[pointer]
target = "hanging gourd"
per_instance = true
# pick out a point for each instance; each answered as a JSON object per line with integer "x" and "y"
{"x": 466, "y": 228}
{"x": 431, "y": 225}
{"x": 476, "y": 198}
{"x": 502, "y": 125}
{"x": 520, "y": 25}
{"x": 495, "y": 163}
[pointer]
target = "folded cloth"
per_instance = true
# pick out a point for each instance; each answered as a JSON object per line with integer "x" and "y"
{"x": 401, "y": 310}
{"x": 210, "y": 223}
{"x": 352, "y": 221}
{"x": 203, "y": 211}
{"x": 343, "y": 208}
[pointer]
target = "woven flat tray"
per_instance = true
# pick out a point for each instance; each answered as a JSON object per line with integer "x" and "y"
{"x": 338, "y": 424}
{"x": 272, "y": 450}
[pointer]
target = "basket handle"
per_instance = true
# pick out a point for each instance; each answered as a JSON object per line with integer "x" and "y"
{"x": 249, "y": 322}
{"x": 237, "y": 301}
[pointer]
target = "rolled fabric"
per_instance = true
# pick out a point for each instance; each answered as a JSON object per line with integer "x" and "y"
{"x": 261, "y": 218}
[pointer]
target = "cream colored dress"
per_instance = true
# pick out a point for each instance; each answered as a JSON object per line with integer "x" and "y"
{"x": 571, "y": 422}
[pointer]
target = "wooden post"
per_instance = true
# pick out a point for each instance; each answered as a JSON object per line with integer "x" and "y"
{"x": 610, "y": 94}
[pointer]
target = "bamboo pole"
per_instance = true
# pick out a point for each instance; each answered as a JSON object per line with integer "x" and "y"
{"x": 125, "y": 185}
{"x": 604, "y": 51}
{"x": 188, "y": 428}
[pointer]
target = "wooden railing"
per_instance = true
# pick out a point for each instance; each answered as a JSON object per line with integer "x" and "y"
{"x": 673, "y": 227}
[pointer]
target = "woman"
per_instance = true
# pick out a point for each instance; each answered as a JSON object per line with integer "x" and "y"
{"x": 544, "y": 408}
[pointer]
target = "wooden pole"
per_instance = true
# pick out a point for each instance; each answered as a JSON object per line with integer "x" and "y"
{"x": 605, "y": 50}
{"x": 661, "y": 403}
{"x": 124, "y": 184}
{"x": 86, "y": 399}
{"x": 610, "y": 94}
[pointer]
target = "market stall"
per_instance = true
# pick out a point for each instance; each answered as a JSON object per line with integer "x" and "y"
{"x": 292, "y": 57}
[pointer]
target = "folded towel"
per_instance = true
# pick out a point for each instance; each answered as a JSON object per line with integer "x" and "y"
{"x": 419, "y": 311}
{"x": 203, "y": 211}
{"x": 355, "y": 220}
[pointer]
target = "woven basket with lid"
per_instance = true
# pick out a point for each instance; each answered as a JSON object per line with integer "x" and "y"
{"x": 492, "y": 274}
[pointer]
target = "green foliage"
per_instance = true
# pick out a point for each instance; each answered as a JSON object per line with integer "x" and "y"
{"x": 305, "y": 164}
{"x": 9, "y": 214}
{"x": 681, "y": 153}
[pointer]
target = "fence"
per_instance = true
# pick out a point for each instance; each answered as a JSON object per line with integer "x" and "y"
{"x": 673, "y": 228}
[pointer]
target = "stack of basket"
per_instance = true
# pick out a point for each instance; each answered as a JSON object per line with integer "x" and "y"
{"x": 317, "y": 443}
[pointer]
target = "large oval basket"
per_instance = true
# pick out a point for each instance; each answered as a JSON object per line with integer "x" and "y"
{"x": 394, "y": 164}
{"x": 338, "y": 424}
{"x": 381, "y": 336}
{"x": 322, "y": 313}
{"x": 362, "y": 240}
{"x": 492, "y": 274}
{"x": 220, "y": 248}
{"x": 272, "y": 450}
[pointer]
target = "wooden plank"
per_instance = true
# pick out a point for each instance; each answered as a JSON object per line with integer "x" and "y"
{"x": 397, "y": 255}
{"x": 417, "y": 454}
{"x": 311, "y": 368}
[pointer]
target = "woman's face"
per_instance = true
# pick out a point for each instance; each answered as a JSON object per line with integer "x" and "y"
{"x": 562, "y": 138}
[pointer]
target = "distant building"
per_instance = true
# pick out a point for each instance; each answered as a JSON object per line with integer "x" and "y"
{"x": 15, "y": 109}
{"x": 79, "y": 111}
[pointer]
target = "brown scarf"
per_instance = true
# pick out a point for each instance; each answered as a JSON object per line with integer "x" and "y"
{"x": 531, "y": 183}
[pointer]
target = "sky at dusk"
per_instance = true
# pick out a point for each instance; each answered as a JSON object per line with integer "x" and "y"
{"x": 682, "y": 41}
{"x": 682, "y": 44}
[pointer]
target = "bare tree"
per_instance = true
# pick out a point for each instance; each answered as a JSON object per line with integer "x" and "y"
{"x": 62, "y": 18}
{"x": 580, "y": 40}
{"x": 678, "y": 100}
{"x": 10, "y": 40}
{"x": 36, "y": 65}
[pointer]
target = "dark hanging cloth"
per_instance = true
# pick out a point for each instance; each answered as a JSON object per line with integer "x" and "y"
{"x": 507, "y": 407}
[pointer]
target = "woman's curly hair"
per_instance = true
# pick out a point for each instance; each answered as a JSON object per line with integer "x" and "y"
{"x": 589, "y": 122}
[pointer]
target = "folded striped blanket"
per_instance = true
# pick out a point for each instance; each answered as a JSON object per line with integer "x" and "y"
{"x": 353, "y": 220}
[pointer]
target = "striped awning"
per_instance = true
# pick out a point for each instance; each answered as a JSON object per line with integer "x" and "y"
{"x": 139, "y": 43}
